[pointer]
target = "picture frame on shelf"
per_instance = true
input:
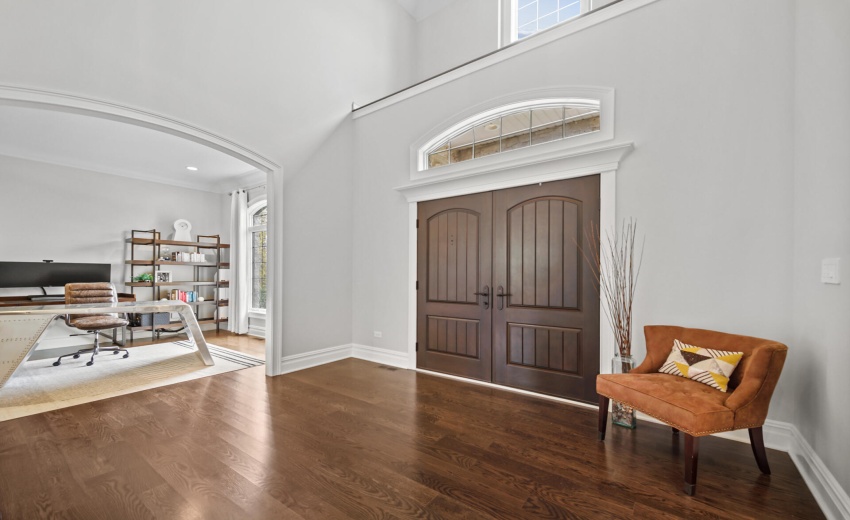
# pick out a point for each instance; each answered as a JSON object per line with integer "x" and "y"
{"x": 163, "y": 277}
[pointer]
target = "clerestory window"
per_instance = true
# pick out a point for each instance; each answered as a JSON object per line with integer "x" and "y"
{"x": 532, "y": 16}
{"x": 511, "y": 128}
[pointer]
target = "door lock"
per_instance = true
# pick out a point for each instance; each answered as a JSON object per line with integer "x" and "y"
{"x": 501, "y": 294}
{"x": 486, "y": 295}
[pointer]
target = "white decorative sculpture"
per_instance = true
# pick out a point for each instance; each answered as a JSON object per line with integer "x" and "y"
{"x": 182, "y": 230}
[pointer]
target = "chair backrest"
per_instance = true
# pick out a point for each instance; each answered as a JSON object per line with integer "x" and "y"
{"x": 99, "y": 292}
{"x": 659, "y": 343}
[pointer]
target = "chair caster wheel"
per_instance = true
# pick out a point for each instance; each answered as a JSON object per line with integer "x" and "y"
{"x": 90, "y": 363}
{"x": 125, "y": 355}
{"x": 76, "y": 356}
{"x": 57, "y": 363}
{"x": 114, "y": 352}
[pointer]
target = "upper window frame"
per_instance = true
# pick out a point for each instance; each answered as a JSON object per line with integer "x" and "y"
{"x": 510, "y": 31}
{"x": 490, "y": 109}
{"x": 584, "y": 8}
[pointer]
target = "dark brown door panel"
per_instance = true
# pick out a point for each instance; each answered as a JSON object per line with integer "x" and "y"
{"x": 454, "y": 324}
{"x": 546, "y": 328}
{"x": 504, "y": 295}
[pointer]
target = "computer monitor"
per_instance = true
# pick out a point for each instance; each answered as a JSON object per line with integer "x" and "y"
{"x": 51, "y": 274}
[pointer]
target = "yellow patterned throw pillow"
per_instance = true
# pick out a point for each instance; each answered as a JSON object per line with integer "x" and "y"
{"x": 704, "y": 365}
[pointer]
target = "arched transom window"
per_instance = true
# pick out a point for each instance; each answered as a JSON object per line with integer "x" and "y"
{"x": 513, "y": 127}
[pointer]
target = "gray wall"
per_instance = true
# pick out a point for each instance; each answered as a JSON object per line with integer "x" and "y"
{"x": 821, "y": 313}
{"x": 710, "y": 181}
{"x": 71, "y": 215}
{"x": 317, "y": 248}
{"x": 738, "y": 180}
{"x": 462, "y": 31}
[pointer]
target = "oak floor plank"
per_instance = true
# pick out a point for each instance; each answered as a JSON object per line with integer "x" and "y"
{"x": 163, "y": 501}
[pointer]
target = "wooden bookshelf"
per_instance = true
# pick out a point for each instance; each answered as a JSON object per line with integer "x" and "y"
{"x": 147, "y": 254}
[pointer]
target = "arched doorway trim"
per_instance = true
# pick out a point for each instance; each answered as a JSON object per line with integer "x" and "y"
{"x": 45, "y": 100}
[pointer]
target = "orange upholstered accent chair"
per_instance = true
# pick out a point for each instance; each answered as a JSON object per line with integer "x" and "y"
{"x": 694, "y": 408}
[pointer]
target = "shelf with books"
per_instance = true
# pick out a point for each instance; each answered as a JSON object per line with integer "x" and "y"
{"x": 196, "y": 265}
{"x": 175, "y": 325}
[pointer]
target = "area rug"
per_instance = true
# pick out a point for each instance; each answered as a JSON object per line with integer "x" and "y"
{"x": 38, "y": 386}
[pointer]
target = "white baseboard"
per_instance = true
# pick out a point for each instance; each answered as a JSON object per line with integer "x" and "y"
{"x": 329, "y": 355}
{"x": 831, "y": 497}
{"x": 259, "y": 332}
{"x": 781, "y": 436}
{"x": 383, "y": 356}
{"x": 313, "y": 359}
{"x": 777, "y": 435}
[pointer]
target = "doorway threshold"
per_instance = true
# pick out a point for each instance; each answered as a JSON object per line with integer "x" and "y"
{"x": 509, "y": 389}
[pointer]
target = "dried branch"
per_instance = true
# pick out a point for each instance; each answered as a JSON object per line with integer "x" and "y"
{"x": 615, "y": 274}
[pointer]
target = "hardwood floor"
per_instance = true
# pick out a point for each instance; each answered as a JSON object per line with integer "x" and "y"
{"x": 250, "y": 345}
{"x": 353, "y": 439}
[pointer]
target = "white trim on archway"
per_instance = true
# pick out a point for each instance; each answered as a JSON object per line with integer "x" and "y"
{"x": 45, "y": 100}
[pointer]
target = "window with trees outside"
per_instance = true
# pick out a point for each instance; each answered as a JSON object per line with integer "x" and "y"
{"x": 257, "y": 231}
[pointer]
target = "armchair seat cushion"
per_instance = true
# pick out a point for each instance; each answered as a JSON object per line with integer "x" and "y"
{"x": 692, "y": 407}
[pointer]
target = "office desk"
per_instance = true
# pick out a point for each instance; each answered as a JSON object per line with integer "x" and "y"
{"x": 25, "y": 301}
{"x": 21, "y": 328}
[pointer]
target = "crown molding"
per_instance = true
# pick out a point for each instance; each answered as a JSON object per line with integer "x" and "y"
{"x": 542, "y": 165}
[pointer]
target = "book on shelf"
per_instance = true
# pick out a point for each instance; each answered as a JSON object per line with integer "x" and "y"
{"x": 184, "y": 296}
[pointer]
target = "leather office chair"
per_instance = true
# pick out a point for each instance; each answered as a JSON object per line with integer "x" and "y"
{"x": 693, "y": 408}
{"x": 76, "y": 293}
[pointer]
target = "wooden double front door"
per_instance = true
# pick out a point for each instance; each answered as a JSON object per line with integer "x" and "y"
{"x": 504, "y": 294}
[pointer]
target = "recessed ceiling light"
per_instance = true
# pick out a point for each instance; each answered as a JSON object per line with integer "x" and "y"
{"x": 192, "y": 168}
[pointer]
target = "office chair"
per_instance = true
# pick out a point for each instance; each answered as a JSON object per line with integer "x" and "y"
{"x": 76, "y": 293}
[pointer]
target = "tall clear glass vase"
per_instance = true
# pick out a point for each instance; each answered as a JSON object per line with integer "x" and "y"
{"x": 621, "y": 414}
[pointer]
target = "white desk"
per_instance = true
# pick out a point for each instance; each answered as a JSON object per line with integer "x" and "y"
{"x": 21, "y": 328}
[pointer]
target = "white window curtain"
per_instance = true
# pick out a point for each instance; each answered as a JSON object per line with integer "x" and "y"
{"x": 240, "y": 264}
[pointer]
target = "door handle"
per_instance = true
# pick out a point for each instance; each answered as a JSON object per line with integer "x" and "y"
{"x": 486, "y": 295}
{"x": 500, "y": 294}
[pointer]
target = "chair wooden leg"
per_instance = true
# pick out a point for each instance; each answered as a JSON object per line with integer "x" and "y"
{"x": 691, "y": 459}
{"x": 603, "y": 416}
{"x": 757, "y": 442}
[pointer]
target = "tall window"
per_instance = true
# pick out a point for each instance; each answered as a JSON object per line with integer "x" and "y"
{"x": 257, "y": 225}
{"x": 531, "y": 16}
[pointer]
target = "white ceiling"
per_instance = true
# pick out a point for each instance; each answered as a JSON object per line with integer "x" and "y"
{"x": 117, "y": 148}
{"x": 421, "y": 9}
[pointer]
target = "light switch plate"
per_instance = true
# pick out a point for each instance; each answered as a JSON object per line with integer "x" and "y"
{"x": 831, "y": 271}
